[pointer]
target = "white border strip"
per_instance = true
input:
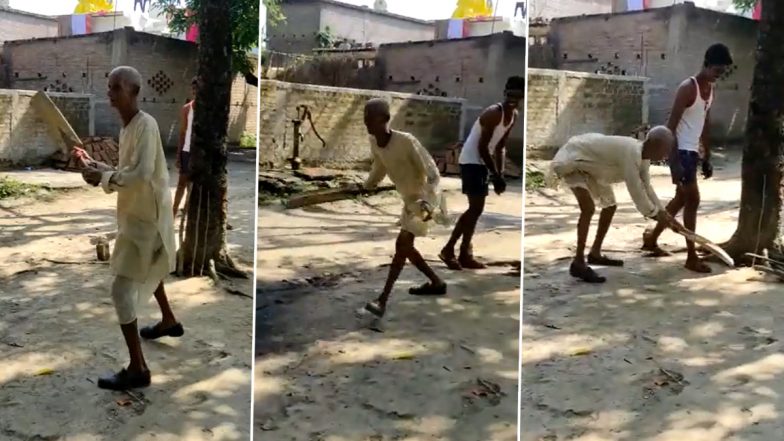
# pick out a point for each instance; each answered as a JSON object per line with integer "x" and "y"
{"x": 255, "y": 234}
{"x": 522, "y": 249}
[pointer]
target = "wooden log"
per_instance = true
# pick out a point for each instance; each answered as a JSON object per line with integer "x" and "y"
{"x": 331, "y": 195}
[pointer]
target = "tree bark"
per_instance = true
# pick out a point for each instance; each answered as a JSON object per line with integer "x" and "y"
{"x": 204, "y": 248}
{"x": 760, "y": 217}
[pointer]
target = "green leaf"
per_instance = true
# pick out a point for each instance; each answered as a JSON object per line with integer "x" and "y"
{"x": 744, "y": 5}
{"x": 244, "y": 18}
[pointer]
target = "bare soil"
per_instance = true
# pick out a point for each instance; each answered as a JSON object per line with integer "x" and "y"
{"x": 58, "y": 329}
{"x": 657, "y": 353}
{"x": 442, "y": 369}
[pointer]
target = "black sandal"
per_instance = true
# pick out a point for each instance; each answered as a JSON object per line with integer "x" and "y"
{"x": 604, "y": 261}
{"x": 125, "y": 380}
{"x": 428, "y": 289}
{"x": 587, "y": 275}
{"x": 153, "y": 333}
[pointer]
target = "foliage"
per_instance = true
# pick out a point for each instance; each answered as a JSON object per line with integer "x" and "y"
{"x": 744, "y": 5}
{"x": 248, "y": 141}
{"x": 534, "y": 179}
{"x": 274, "y": 11}
{"x": 10, "y": 188}
{"x": 325, "y": 38}
{"x": 244, "y": 19}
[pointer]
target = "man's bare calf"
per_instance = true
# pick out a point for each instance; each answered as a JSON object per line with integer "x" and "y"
{"x": 579, "y": 268}
{"x": 405, "y": 250}
{"x": 465, "y": 227}
{"x": 687, "y": 197}
{"x": 168, "y": 326}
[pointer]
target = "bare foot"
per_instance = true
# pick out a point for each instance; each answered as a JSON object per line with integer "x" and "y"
{"x": 697, "y": 265}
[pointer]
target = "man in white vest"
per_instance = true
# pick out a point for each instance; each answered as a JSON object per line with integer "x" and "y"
{"x": 482, "y": 162}
{"x": 689, "y": 121}
{"x": 184, "y": 150}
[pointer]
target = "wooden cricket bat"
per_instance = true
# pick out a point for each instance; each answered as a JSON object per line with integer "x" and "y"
{"x": 54, "y": 119}
{"x": 705, "y": 243}
{"x": 331, "y": 195}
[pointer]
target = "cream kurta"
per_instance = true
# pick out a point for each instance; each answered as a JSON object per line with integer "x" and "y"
{"x": 415, "y": 175}
{"x": 144, "y": 206}
{"x": 595, "y": 162}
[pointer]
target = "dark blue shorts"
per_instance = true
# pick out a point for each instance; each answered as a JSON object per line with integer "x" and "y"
{"x": 185, "y": 163}
{"x": 475, "y": 179}
{"x": 690, "y": 162}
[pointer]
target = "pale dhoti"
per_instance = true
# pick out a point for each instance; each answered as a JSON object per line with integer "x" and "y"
{"x": 595, "y": 162}
{"x": 568, "y": 168}
{"x": 415, "y": 175}
{"x": 128, "y": 293}
{"x": 412, "y": 216}
{"x": 145, "y": 249}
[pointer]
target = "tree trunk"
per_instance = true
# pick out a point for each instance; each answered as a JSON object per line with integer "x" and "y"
{"x": 203, "y": 250}
{"x": 760, "y": 217}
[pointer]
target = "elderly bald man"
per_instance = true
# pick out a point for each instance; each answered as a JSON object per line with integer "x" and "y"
{"x": 589, "y": 164}
{"x": 414, "y": 172}
{"x": 144, "y": 252}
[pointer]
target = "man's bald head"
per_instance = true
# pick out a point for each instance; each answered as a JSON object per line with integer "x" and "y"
{"x": 125, "y": 83}
{"x": 377, "y": 116}
{"x": 658, "y": 143}
{"x": 129, "y": 78}
{"x": 377, "y": 106}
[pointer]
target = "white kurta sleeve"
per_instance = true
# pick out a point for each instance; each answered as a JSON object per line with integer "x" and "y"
{"x": 377, "y": 172}
{"x": 425, "y": 166}
{"x": 142, "y": 166}
{"x": 636, "y": 186}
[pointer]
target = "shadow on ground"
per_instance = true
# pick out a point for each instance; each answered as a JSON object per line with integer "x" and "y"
{"x": 58, "y": 332}
{"x": 656, "y": 353}
{"x": 433, "y": 372}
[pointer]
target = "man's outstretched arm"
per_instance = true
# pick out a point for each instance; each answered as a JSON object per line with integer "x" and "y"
{"x": 376, "y": 175}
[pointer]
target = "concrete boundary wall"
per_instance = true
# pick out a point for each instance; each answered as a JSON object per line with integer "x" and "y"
{"x": 25, "y": 139}
{"x": 338, "y": 117}
{"x": 562, "y": 104}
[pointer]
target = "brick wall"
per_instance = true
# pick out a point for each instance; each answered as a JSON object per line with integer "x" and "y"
{"x": 562, "y": 104}
{"x": 566, "y": 8}
{"x": 25, "y": 140}
{"x": 82, "y": 64}
{"x": 472, "y": 68}
{"x": 304, "y": 19}
{"x": 666, "y": 45}
{"x": 338, "y": 117}
{"x": 17, "y": 25}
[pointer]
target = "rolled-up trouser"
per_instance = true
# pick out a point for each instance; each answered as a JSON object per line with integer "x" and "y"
{"x": 128, "y": 294}
{"x": 573, "y": 177}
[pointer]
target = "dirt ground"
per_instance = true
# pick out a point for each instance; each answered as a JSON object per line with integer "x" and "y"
{"x": 58, "y": 331}
{"x": 657, "y": 353}
{"x": 443, "y": 369}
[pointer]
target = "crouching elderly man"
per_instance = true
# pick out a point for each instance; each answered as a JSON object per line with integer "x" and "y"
{"x": 144, "y": 252}
{"x": 589, "y": 164}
